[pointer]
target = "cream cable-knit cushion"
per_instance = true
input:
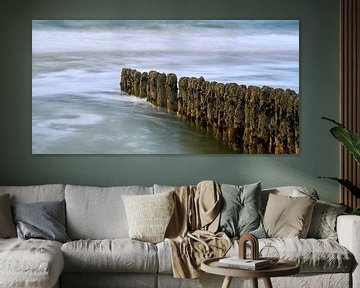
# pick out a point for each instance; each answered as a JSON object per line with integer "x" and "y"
{"x": 149, "y": 215}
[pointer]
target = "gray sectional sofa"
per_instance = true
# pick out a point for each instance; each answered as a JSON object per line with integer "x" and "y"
{"x": 101, "y": 254}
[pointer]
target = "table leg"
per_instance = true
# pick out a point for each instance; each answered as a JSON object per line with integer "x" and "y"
{"x": 227, "y": 282}
{"x": 267, "y": 283}
{"x": 254, "y": 282}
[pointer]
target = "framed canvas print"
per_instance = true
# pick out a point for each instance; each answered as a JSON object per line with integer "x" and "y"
{"x": 165, "y": 86}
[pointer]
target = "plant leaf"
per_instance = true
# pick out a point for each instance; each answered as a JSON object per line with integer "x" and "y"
{"x": 349, "y": 139}
{"x": 333, "y": 121}
{"x": 348, "y": 185}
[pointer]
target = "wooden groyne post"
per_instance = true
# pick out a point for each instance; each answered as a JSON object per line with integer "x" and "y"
{"x": 251, "y": 120}
{"x": 159, "y": 89}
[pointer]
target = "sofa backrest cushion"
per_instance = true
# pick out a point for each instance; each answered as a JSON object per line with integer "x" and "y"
{"x": 98, "y": 212}
{"x": 36, "y": 193}
{"x": 163, "y": 188}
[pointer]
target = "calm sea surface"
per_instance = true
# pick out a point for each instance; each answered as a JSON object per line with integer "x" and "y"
{"x": 77, "y": 105}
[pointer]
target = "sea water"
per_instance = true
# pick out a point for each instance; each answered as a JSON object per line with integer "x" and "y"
{"x": 77, "y": 104}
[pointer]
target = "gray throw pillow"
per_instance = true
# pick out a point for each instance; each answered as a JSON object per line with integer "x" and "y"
{"x": 44, "y": 220}
{"x": 7, "y": 227}
{"x": 323, "y": 222}
{"x": 240, "y": 213}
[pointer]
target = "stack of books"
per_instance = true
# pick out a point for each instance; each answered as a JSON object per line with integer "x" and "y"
{"x": 248, "y": 264}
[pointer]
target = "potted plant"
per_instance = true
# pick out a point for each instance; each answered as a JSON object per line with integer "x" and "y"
{"x": 351, "y": 141}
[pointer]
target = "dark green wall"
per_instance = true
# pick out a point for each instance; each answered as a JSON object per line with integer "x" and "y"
{"x": 318, "y": 91}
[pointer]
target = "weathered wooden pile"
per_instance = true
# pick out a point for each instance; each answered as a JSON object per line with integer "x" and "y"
{"x": 251, "y": 120}
{"x": 159, "y": 89}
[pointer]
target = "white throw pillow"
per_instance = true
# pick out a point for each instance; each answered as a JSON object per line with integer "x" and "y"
{"x": 149, "y": 215}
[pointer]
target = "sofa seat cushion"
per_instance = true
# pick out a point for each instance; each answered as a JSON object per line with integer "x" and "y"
{"x": 115, "y": 255}
{"x": 313, "y": 255}
{"x": 30, "y": 263}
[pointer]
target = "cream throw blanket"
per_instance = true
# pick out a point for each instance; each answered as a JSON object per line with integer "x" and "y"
{"x": 191, "y": 231}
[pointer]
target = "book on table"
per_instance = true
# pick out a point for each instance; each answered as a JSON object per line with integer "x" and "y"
{"x": 249, "y": 264}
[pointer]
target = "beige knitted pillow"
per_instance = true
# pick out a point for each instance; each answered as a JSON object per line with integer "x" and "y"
{"x": 288, "y": 217}
{"x": 149, "y": 215}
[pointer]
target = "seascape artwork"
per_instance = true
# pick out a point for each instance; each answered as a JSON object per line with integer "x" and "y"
{"x": 165, "y": 87}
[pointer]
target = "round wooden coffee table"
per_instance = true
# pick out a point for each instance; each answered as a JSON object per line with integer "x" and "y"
{"x": 281, "y": 268}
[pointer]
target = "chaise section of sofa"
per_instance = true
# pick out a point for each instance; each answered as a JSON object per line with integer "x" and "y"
{"x": 32, "y": 263}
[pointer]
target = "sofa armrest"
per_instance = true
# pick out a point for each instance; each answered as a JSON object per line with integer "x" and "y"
{"x": 348, "y": 230}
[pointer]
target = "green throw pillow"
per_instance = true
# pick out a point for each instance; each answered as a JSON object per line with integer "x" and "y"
{"x": 240, "y": 213}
